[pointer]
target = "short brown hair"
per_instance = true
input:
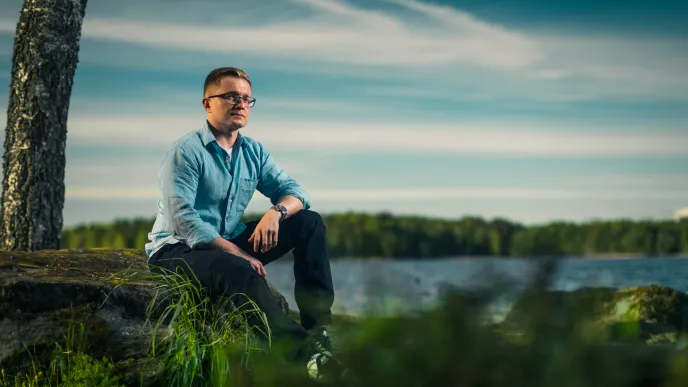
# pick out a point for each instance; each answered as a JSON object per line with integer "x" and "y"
{"x": 215, "y": 75}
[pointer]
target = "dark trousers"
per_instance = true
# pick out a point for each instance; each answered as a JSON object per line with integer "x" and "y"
{"x": 226, "y": 274}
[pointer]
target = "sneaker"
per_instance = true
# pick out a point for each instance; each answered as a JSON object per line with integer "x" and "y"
{"x": 323, "y": 367}
{"x": 317, "y": 341}
{"x": 321, "y": 338}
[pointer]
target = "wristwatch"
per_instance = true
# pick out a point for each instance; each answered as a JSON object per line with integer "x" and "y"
{"x": 282, "y": 210}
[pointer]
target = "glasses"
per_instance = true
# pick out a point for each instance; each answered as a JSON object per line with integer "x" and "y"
{"x": 234, "y": 98}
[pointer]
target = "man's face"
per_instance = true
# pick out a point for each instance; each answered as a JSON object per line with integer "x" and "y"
{"x": 221, "y": 112}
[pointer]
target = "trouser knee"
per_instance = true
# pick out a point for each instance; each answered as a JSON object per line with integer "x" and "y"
{"x": 310, "y": 221}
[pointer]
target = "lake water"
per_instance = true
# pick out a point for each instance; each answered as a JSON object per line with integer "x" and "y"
{"x": 390, "y": 287}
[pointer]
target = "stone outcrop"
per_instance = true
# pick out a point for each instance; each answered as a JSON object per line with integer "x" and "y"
{"x": 42, "y": 292}
{"x": 651, "y": 314}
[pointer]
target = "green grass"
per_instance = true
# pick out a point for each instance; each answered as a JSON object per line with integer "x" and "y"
{"x": 69, "y": 366}
{"x": 204, "y": 342}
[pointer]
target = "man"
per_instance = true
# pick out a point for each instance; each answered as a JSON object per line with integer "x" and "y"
{"x": 207, "y": 179}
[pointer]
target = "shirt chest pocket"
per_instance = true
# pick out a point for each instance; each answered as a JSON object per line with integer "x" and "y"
{"x": 245, "y": 192}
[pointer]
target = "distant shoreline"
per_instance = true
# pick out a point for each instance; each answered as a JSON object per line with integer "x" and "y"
{"x": 601, "y": 257}
{"x": 613, "y": 256}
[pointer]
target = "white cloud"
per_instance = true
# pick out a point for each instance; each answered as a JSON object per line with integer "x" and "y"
{"x": 111, "y": 192}
{"x": 406, "y": 194}
{"x": 436, "y": 193}
{"x": 126, "y": 175}
{"x": 7, "y": 26}
{"x": 135, "y": 175}
{"x": 479, "y": 137}
{"x": 336, "y": 32}
{"x": 336, "y": 37}
{"x": 552, "y": 74}
{"x": 631, "y": 181}
{"x": 449, "y": 52}
{"x": 502, "y": 138}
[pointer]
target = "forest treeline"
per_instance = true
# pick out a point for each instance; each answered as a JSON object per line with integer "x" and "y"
{"x": 383, "y": 235}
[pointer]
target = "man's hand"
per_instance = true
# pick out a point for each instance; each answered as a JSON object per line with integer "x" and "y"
{"x": 264, "y": 237}
{"x": 257, "y": 265}
{"x": 225, "y": 245}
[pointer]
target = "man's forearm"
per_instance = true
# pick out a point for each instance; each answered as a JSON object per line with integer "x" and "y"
{"x": 223, "y": 244}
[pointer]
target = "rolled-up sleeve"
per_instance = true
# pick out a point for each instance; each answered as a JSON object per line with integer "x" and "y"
{"x": 179, "y": 181}
{"x": 275, "y": 183}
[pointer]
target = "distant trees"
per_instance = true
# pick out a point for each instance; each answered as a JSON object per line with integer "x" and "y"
{"x": 386, "y": 236}
{"x": 46, "y": 47}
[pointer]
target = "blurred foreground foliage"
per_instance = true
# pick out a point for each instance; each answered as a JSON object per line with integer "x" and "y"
{"x": 595, "y": 337}
{"x": 361, "y": 235}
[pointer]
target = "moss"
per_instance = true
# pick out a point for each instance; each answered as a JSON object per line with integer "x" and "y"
{"x": 83, "y": 266}
{"x": 85, "y": 371}
{"x": 655, "y": 304}
{"x": 75, "y": 369}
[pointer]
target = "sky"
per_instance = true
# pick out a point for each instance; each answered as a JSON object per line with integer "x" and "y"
{"x": 530, "y": 110}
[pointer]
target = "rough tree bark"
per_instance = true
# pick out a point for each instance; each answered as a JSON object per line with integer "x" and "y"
{"x": 46, "y": 48}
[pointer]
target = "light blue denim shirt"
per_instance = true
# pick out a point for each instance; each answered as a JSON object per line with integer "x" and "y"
{"x": 204, "y": 191}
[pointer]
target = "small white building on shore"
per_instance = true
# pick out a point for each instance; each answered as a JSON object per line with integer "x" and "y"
{"x": 681, "y": 214}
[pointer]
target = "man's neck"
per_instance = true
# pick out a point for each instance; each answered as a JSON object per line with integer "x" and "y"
{"x": 225, "y": 139}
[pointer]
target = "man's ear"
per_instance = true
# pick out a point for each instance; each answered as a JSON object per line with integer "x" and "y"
{"x": 206, "y": 103}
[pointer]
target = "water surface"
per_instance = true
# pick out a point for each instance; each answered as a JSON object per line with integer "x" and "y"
{"x": 389, "y": 287}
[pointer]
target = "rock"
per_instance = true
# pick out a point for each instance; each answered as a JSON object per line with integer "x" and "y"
{"x": 42, "y": 292}
{"x": 652, "y": 314}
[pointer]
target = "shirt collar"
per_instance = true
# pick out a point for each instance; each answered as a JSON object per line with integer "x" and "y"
{"x": 207, "y": 136}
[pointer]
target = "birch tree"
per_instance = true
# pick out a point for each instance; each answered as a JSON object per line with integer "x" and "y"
{"x": 44, "y": 60}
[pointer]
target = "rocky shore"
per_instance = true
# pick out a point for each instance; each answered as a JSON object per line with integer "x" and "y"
{"x": 42, "y": 293}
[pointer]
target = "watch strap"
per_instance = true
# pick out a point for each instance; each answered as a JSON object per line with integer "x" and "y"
{"x": 282, "y": 210}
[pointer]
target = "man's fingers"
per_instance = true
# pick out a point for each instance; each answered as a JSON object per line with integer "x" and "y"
{"x": 256, "y": 241}
{"x": 271, "y": 239}
{"x": 259, "y": 267}
{"x": 274, "y": 238}
{"x": 264, "y": 241}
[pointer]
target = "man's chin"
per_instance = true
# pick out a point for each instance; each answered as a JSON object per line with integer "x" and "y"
{"x": 235, "y": 126}
{"x": 237, "y": 123}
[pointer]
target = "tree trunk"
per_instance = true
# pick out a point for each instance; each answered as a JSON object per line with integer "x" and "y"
{"x": 46, "y": 48}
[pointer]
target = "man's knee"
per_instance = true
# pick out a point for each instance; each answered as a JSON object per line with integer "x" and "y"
{"x": 232, "y": 272}
{"x": 231, "y": 265}
{"x": 311, "y": 221}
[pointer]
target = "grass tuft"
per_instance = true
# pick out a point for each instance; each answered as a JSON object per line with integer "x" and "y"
{"x": 206, "y": 338}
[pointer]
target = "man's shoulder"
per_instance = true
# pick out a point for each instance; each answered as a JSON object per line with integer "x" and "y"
{"x": 189, "y": 142}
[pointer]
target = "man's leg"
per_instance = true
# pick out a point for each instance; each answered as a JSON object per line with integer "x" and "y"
{"x": 304, "y": 233}
{"x": 225, "y": 274}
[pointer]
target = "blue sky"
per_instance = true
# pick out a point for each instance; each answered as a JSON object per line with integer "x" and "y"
{"x": 530, "y": 110}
